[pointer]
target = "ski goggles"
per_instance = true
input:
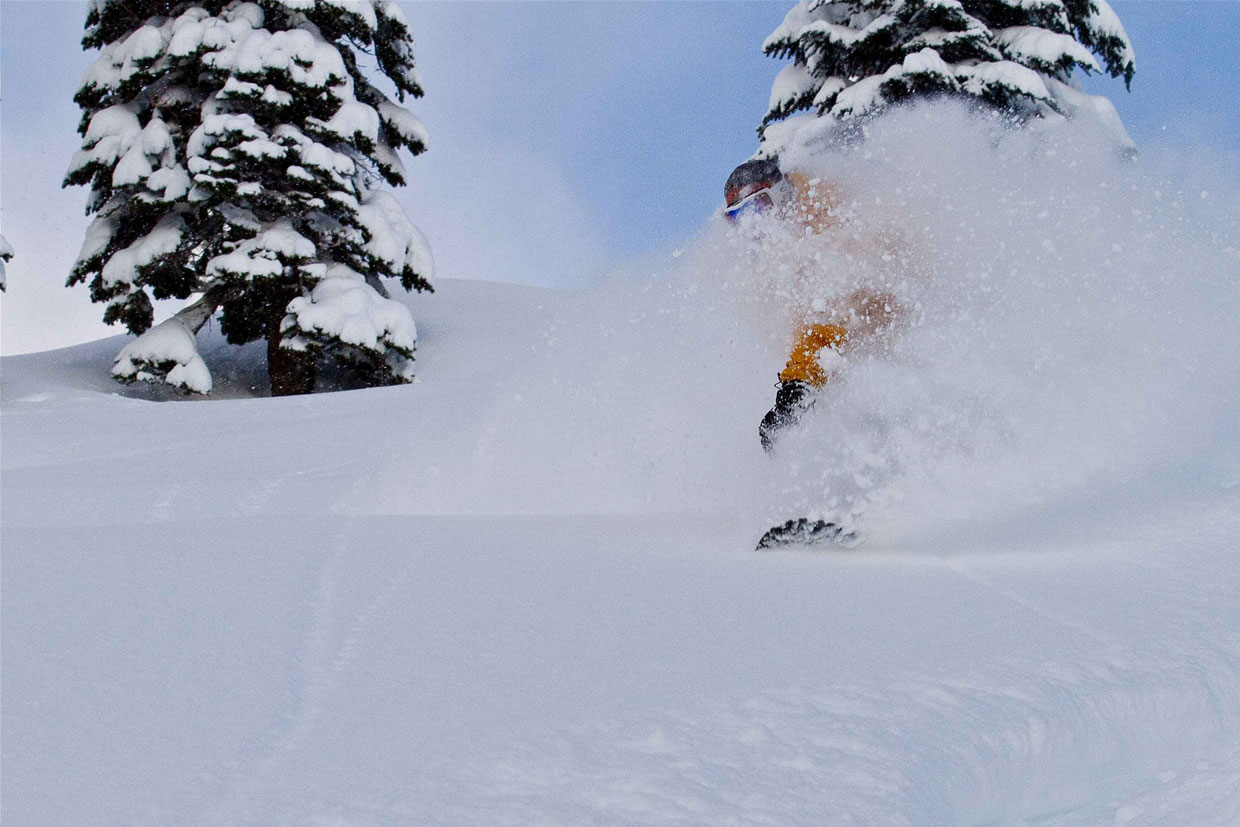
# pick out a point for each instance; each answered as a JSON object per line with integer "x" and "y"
{"x": 755, "y": 203}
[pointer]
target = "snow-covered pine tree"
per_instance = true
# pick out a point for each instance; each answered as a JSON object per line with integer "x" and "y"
{"x": 852, "y": 58}
{"x": 6, "y": 254}
{"x": 232, "y": 150}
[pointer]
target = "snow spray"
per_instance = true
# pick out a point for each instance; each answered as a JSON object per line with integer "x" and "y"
{"x": 1068, "y": 324}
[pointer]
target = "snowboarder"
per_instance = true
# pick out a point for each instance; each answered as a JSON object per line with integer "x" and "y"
{"x": 823, "y": 333}
{"x": 760, "y": 187}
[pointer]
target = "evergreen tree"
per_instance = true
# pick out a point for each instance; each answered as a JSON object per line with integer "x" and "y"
{"x": 232, "y": 149}
{"x": 852, "y": 58}
{"x": 6, "y": 254}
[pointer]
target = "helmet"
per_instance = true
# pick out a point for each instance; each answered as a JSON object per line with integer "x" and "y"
{"x": 750, "y": 177}
{"x": 754, "y": 186}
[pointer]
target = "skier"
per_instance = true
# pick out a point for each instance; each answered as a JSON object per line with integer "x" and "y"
{"x": 822, "y": 335}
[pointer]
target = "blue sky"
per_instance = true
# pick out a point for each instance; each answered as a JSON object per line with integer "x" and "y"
{"x": 566, "y": 137}
{"x": 1188, "y": 73}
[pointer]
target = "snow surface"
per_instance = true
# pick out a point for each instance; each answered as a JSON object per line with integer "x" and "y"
{"x": 522, "y": 589}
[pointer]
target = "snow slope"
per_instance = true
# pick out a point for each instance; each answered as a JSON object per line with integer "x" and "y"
{"x": 522, "y": 590}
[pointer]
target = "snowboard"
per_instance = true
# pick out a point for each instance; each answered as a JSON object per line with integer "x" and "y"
{"x": 805, "y": 532}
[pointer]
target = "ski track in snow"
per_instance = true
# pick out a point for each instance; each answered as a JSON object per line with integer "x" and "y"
{"x": 1030, "y": 605}
{"x": 1045, "y": 737}
{"x": 329, "y": 649}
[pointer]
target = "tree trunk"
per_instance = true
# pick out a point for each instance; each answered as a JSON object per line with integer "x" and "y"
{"x": 195, "y": 315}
{"x": 291, "y": 372}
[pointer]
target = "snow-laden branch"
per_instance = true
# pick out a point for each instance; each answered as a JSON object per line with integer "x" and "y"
{"x": 168, "y": 352}
{"x": 344, "y": 318}
{"x": 854, "y": 58}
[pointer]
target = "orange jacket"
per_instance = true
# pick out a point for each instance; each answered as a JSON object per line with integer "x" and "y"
{"x": 803, "y": 365}
{"x": 869, "y": 312}
{"x": 812, "y": 200}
